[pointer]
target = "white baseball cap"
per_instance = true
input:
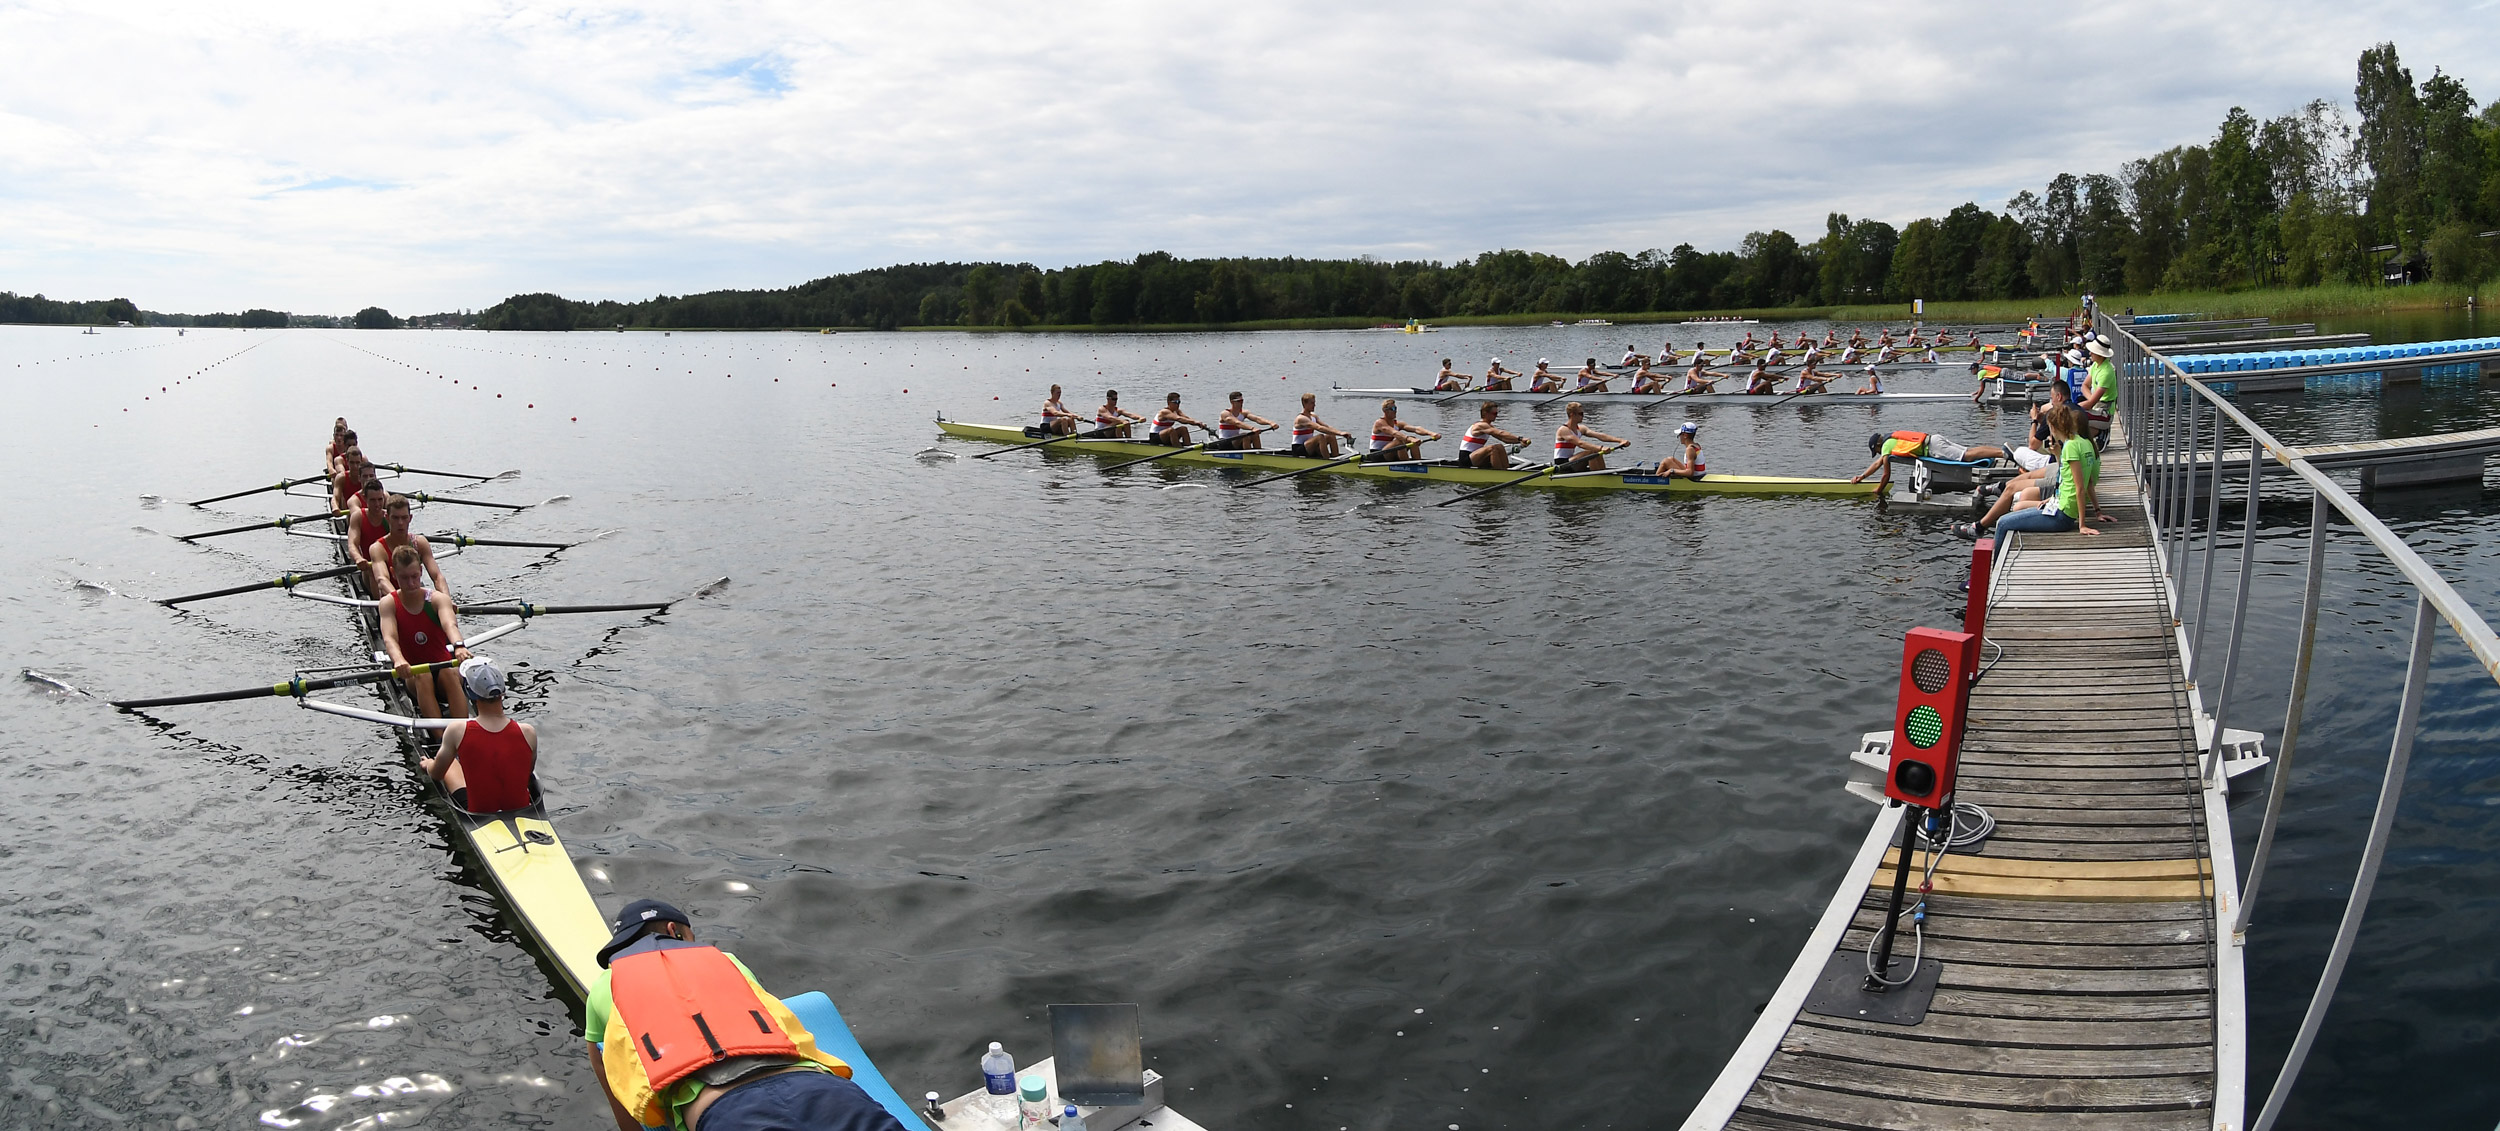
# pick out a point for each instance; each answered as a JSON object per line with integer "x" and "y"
{"x": 481, "y": 678}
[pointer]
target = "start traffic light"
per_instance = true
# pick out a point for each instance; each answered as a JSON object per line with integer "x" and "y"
{"x": 1936, "y": 672}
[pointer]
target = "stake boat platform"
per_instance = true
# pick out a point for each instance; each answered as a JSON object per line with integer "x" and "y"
{"x": 1759, "y": 400}
{"x": 1276, "y": 462}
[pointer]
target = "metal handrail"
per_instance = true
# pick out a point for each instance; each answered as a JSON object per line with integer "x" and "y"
{"x": 2162, "y": 406}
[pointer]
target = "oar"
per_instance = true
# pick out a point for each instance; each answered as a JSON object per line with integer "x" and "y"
{"x": 525, "y": 610}
{"x": 402, "y": 721}
{"x": 404, "y": 469}
{"x": 1594, "y": 386}
{"x": 1095, "y": 434}
{"x": 1456, "y": 395}
{"x": 1548, "y": 469}
{"x": 1175, "y": 452}
{"x": 464, "y": 541}
{"x": 422, "y": 497}
{"x": 275, "y": 523}
{"x": 1709, "y": 386}
{"x": 282, "y": 581}
{"x": 280, "y": 485}
{"x": 299, "y": 685}
{"x": 1303, "y": 471}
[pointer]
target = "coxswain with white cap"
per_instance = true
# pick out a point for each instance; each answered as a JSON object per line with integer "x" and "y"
{"x": 486, "y": 762}
{"x": 1687, "y": 459}
{"x": 1874, "y": 382}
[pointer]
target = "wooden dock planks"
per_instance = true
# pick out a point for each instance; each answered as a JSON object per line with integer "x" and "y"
{"x": 2079, "y": 978}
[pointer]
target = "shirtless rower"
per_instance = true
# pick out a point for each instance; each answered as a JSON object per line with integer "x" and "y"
{"x": 399, "y": 533}
{"x": 1687, "y": 459}
{"x": 1394, "y": 440}
{"x": 485, "y": 763}
{"x": 1233, "y": 429}
{"x": 1314, "y": 437}
{"x": 1497, "y": 378}
{"x": 1573, "y": 449}
{"x": 1761, "y": 382}
{"x": 1544, "y": 380}
{"x": 1056, "y": 419}
{"x": 1113, "y": 421}
{"x": 1450, "y": 380}
{"x": 1171, "y": 425}
{"x": 1486, "y": 444}
{"x": 420, "y": 627}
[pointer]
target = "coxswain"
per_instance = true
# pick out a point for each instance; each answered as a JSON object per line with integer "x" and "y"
{"x": 420, "y": 627}
{"x": 1544, "y": 379}
{"x": 1450, "y": 380}
{"x": 1811, "y": 380}
{"x": 1874, "y": 382}
{"x": 368, "y": 522}
{"x": 1056, "y": 419}
{"x": 398, "y": 533}
{"x": 1924, "y": 445}
{"x": 1171, "y": 425}
{"x": 1589, "y": 380}
{"x": 485, "y": 763}
{"x": 752, "y": 1067}
{"x": 1761, "y": 381}
{"x": 1314, "y": 437}
{"x": 1573, "y": 446}
{"x": 1394, "y": 440}
{"x": 1497, "y": 378}
{"x": 1233, "y": 429}
{"x": 1111, "y": 420}
{"x": 1486, "y": 444}
{"x": 1687, "y": 458}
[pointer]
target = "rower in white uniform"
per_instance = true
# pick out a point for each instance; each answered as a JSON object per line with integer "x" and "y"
{"x": 1314, "y": 437}
{"x": 1486, "y": 444}
{"x": 1497, "y": 378}
{"x": 1056, "y": 419}
{"x": 1233, "y": 429}
{"x": 1544, "y": 380}
{"x": 1111, "y": 420}
{"x": 1394, "y": 440}
{"x": 1589, "y": 380}
{"x": 1450, "y": 380}
{"x": 1171, "y": 425}
{"x": 1575, "y": 443}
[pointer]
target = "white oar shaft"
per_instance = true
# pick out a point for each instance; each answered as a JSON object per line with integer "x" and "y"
{"x": 403, "y": 721}
{"x": 334, "y": 599}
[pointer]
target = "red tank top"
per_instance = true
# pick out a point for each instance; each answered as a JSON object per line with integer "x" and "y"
{"x": 369, "y": 532}
{"x": 421, "y": 637}
{"x": 497, "y": 765}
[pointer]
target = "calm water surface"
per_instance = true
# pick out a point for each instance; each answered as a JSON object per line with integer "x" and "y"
{"x": 1510, "y": 813}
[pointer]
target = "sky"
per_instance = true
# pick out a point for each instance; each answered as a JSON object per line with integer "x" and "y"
{"x": 323, "y": 157}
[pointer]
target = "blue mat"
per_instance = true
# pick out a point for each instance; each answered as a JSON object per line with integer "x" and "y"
{"x": 824, "y": 1019}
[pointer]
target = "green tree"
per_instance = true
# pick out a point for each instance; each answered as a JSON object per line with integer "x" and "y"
{"x": 375, "y": 318}
{"x": 2452, "y": 152}
{"x": 981, "y": 287}
{"x": 2243, "y": 199}
{"x": 2390, "y": 138}
{"x": 260, "y": 319}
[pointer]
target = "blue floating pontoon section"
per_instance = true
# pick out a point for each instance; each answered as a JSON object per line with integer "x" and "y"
{"x": 824, "y": 1019}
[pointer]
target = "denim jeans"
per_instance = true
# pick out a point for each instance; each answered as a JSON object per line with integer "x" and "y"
{"x": 2035, "y": 520}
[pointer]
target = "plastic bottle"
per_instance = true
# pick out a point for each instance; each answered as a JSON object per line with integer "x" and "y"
{"x": 1036, "y": 1095}
{"x": 1070, "y": 1120}
{"x": 998, "y": 1074}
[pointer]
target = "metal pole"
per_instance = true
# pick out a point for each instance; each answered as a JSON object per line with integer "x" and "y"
{"x": 2373, "y": 853}
{"x": 2318, "y": 512}
{"x": 2205, "y": 570}
{"x": 1882, "y": 969}
{"x": 2239, "y": 610}
{"x": 2183, "y": 470}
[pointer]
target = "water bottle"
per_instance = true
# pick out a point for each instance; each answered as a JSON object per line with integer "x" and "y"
{"x": 998, "y": 1073}
{"x": 1036, "y": 1095}
{"x": 1069, "y": 1120}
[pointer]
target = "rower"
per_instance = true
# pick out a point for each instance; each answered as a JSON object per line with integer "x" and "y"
{"x": 1687, "y": 460}
{"x": 1313, "y": 437}
{"x": 1394, "y": 440}
{"x": 1874, "y": 382}
{"x": 1233, "y": 426}
{"x": 1774, "y": 355}
{"x": 486, "y": 762}
{"x": 1700, "y": 378}
{"x": 1761, "y": 381}
{"x": 1811, "y": 380}
{"x": 767, "y": 1073}
{"x": 330, "y": 455}
{"x": 1573, "y": 449}
{"x": 1544, "y": 379}
{"x": 397, "y": 533}
{"x": 1588, "y": 380}
{"x": 420, "y": 627}
{"x": 1111, "y": 420}
{"x": 1485, "y": 443}
{"x": 1648, "y": 380}
{"x": 1450, "y": 380}
{"x": 1497, "y": 378}
{"x": 1631, "y": 356}
{"x": 349, "y": 478}
{"x": 1171, "y": 425}
{"x": 368, "y": 523}
{"x": 1922, "y": 445}
{"x": 1056, "y": 419}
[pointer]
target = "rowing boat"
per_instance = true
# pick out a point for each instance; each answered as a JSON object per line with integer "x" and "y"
{"x": 1716, "y": 483}
{"x": 518, "y": 851}
{"x": 1766, "y": 400}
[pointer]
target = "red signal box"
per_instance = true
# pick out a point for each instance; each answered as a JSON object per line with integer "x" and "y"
{"x": 1983, "y": 556}
{"x": 1936, "y": 672}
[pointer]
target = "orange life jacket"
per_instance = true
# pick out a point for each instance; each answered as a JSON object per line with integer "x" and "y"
{"x": 680, "y": 1006}
{"x": 1907, "y": 443}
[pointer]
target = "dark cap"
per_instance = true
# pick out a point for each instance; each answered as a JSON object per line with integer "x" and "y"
{"x": 634, "y": 919}
{"x": 1875, "y": 441}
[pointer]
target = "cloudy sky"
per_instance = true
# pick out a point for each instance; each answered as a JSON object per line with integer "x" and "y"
{"x": 320, "y": 157}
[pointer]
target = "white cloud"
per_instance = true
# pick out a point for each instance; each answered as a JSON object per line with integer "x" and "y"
{"x": 317, "y": 157}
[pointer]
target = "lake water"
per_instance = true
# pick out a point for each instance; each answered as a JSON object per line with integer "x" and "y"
{"x": 1506, "y": 814}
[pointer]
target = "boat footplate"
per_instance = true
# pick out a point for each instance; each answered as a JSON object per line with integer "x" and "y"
{"x": 1841, "y": 991}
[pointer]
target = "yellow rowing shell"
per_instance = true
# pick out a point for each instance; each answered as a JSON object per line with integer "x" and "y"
{"x": 1275, "y": 462}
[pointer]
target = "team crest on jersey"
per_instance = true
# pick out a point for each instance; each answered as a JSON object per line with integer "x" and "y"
{"x": 421, "y": 636}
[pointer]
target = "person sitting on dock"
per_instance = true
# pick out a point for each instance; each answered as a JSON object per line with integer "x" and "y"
{"x": 1171, "y": 425}
{"x": 1486, "y": 444}
{"x": 1687, "y": 459}
{"x": 400, "y": 532}
{"x": 1312, "y": 437}
{"x": 1573, "y": 450}
{"x": 419, "y": 626}
{"x": 1919, "y": 445}
{"x": 1449, "y": 380}
{"x": 2072, "y": 498}
{"x": 1056, "y": 419}
{"x": 1497, "y": 378}
{"x": 486, "y": 762}
{"x": 1761, "y": 382}
{"x": 1544, "y": 380}
{"x": 2100, "y": 390}
{"x": 1233, "y": 429}
{"x": 753, "y": 1067}
{"x": 1111, "y": 420}
{"x": 1394, "y": 440}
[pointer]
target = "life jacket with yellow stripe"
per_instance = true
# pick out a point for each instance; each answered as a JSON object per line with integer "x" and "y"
{"x": 1906, "y": 443}
{"x": 682, "y": 1006}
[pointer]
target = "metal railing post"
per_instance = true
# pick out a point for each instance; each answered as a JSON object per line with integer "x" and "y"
{"x": 2302, "y": 654}
{"x": 2183, "y": 470}
{"x": 2239, "y": 608}
{"x": 2205, "y": 571}
{"x": 2373, "y": 853}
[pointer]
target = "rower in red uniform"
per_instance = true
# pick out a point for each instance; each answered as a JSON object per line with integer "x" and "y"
{"x": 486, "y": 762}
{"x": 1573, "y": 450}
{"x": 419, "y": 626}
{"x": 368, "y": 522}
{"x": 339, "y": 432}
{"x": 350, "y": 476}
{"x": 378, "y": 553}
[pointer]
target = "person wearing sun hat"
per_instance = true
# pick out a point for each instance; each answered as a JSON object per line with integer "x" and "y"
{"x": 682, "y": 1036}
{"x": 2100, "y": 384}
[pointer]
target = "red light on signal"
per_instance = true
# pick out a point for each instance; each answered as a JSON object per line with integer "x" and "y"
{"x": 1936, "y": 671}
